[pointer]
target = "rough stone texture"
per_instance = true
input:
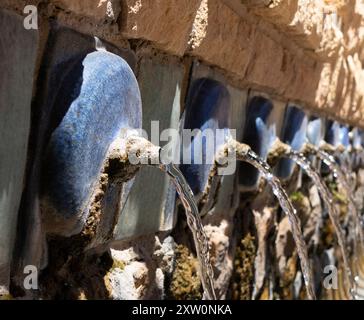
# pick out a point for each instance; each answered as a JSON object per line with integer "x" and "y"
{"x": 140, "y": 267}
{"x": 255, "y": 57}
{"x": 263, "y": 217}
{"x": 220, "y": 240}
{"x": 315, "y": 216}
{"x": 18, "y": 52}
{"x": 309, "y": 23}
{"x": 307, "y": 51}
{"x": 312, "y": 25}
{"x": 166, "y": 23}
{"x": 360, "y": 189}
{"x": 99, "y": 10}
{"x": 286, "y": 253}
{"x": 150, "y": 206}
{"x": 327, "y": 31}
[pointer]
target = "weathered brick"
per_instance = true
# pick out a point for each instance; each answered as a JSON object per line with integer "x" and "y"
{"x": 18, "y": 52}
{"x": 305, "y": 22}
{"x": 227, "y": 45}
{"x": 98, "y": 10}
{"x": 166, "y": 23}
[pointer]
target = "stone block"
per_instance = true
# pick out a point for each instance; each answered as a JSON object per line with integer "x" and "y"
{"x": 150, "y": 205}
{"x": 217, "y": 39}
{"x": 98, "y": 10}
{"x": 167, "y": 24}
{"x": 18, "y": 54}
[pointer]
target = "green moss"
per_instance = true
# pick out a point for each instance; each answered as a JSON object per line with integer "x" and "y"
{"x": 6, "y": 297}
{"x": 338, "y": 196}
{"x": 244, "y": 269}
{"x": 297, "y": 196}
{"x": 185, "y": 283}
{"x": 340, "y": 199}
{"x": 118, "y": 264}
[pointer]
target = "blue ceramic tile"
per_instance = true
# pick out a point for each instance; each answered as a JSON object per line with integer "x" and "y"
{"x": 293, "y": 134}
{"x": 332, "y": 133}
{"x": 207, "y": 107}
{"x": 105, "y": 99}
{"x": 315, "y": 131}
{"x": 357, "y": 143}
{"x": 258, "y": 134}
{"x": 344, "y": 139}
{"x": 356, "y": 138}
{"x": 361, "y": 134}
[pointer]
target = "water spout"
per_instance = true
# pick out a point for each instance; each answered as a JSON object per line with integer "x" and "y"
{"x": 149, "y": 154}
{"x": 329, "y": 160}
{"x": 244, "y": 153}
{"x": 281, "y": 149}
{"x": 94, "y": 150}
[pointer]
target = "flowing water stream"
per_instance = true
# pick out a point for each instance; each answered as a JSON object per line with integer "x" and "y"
{"x": 329, "y": 160}
{"x": 244, "y": 153}
{"x": 194, "y": 222}
{"x": 331, "y": 208}
{"x": 149, "y": 154}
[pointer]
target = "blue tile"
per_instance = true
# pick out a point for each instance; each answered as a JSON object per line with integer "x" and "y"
{"x": 332, "y": 133}
{"x": 105, "y": 99}
{"x": 208, "y": 107}
{"x": 315, "y": 130}
{"x": 294, "y": 134}
{"x": 344, "y": 139}
{"x": 259, "y": 133}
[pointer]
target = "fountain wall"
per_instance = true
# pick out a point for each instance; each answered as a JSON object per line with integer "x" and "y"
{"x": 305, "y": 54}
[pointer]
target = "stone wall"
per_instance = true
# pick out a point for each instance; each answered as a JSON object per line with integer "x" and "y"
{"x": 305, "y": 52}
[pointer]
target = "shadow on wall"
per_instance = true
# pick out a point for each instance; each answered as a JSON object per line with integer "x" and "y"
{"x": 257, "y": 134}
{"x": 343, "y": 95}
{"x": 208, "y": 107}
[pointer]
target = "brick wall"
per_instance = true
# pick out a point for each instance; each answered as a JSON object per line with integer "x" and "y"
{"x": 295, "y": 50}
